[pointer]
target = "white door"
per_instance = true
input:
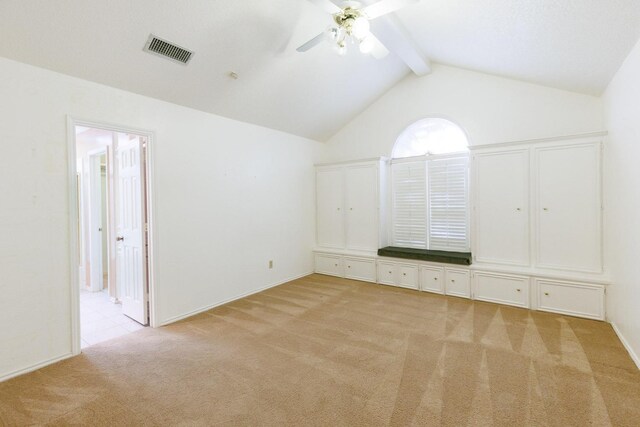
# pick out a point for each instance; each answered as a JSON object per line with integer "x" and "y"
{"x": 95, "y": 223}
{"x": 362, "y": 207}
{"x": 501, "y": 212}
{"x": 131, "y": 271}
{"x": 330, "y": 214}
{"x": 568, "y": 209}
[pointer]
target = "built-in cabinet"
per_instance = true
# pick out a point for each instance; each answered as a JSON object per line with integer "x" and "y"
{"x": 575, "y": 299}
{"x": 536, "y": 228}
{"x": 432, "y": 279}
{"x": 501, "y": 207}
{"x": 546, "y": 197}
{"x": 400, "y": 274}
{"x": 502, "y": 288}
{"x": 350, "y": 199}
{"x": 568, "y": 207}
{"x": 330, "y": 207}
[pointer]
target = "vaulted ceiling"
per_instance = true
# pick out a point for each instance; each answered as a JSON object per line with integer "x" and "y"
{"x": 570, "y": 44}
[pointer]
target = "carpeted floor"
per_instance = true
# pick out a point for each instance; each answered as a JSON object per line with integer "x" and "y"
{"x": 328, "y": 351}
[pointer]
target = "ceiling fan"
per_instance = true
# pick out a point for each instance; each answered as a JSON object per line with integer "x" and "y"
{"x": 352, "y": 26}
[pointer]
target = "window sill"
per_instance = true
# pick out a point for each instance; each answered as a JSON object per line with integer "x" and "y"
{"x": 460, "y": 258}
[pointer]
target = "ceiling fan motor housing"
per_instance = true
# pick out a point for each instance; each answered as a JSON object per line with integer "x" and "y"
{"x": 347, "y": 18}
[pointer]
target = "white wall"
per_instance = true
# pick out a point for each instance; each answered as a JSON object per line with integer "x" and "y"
{"x": 229, "y": 197}
{"x": 491, "y": 110}
{"x": 622, "y": 199}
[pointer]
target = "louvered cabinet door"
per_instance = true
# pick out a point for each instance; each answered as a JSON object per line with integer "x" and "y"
{"x": 361, "y": 207}
{"x": 329, "y": 207}
{"x": 501, "y": 200}
{"x": 568, "y": 210}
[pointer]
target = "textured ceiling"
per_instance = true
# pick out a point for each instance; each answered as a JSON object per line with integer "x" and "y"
{"x": 571, "y": 44}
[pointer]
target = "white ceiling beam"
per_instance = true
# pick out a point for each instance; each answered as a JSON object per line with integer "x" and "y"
{"x": 397, "y": 39}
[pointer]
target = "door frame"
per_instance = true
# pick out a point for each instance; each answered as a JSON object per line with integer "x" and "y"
{"x": 74, "y": 249}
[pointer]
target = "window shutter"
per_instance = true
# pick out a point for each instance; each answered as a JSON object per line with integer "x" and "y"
{"x": 409, "y": 217}
{"x": 448, "y": 207}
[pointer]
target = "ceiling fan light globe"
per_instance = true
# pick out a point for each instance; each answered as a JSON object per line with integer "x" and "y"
{"x": 360, "y": 28}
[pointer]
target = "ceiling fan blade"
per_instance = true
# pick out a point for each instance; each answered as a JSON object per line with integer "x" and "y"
{"x": 386, "y": 6}
{"x": 392, "y": 34}
{"x": 379, "y": 50}
{"x": 327, "y": 6}
{"x": 311, "y": 43}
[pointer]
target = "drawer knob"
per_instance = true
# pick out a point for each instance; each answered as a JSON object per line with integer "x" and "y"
{"x": 338, "y": 208}
{"x": 404, "y": 274}
{"x": 518, "y": 290}
{"x": 389, "y": 272}
{"x": 348, "y": 266}
{"x": 518, "y": 209}
{"x": 350, "y": 209}
{"x": 453, "y": 281}
{"x": 336, "y": 265}
{"x": 545, "y": 209}
{"x": 435, "y": 278}
{"x": 546, "y": 293}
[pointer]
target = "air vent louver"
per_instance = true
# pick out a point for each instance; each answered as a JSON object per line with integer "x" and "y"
{"x": 168, "y": 50}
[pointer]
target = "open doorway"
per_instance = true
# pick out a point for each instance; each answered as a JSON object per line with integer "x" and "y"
{"x": 112, "y": 232}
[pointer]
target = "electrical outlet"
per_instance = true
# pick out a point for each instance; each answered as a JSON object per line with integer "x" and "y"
{"x": 270, "y": 263}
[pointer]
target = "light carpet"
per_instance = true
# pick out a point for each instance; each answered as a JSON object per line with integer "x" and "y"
{"x": 327, "y": 351}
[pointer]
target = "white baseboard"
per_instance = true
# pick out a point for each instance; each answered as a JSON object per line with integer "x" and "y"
{"x": 217, "y": 304}
{"x": 35, "y": 367}
{"x": 626, "y": 345}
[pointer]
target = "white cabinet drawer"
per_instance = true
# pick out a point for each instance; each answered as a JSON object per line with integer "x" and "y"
{"x": 503, "y": 289}
{"x": 457, "y": 283}
{"x": 432, "y": 279}
{"x": 329, "y": 264}
{"x": 386, "y": 273}
{"x": 575, "y": 299}
{"x": 360, "y": 269}
{"x": 408, "y": 276}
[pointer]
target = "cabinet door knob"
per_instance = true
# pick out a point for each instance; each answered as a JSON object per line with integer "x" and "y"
{"x": 348, "y": 266}
{"x": 545, "y": 209}
{"x": 518, "y": 290}
{"x": 338, "y": 208}
{"x": 518, "y": 209}
{"x": 336, "y": 265}
{"x": 350, "y": 209}
{"x": 546, "y": 293}
{"x": 435, "y": 278}
{"x": 453, "y": 281}
{"x": 404, "y": 274}
{"x": 389, "y": 272}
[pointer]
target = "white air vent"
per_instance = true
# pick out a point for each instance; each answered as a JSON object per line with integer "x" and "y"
{"x": 168, "y": 50}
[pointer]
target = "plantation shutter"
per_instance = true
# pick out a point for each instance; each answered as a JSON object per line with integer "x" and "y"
{"x": 409, "y": 211}
{"x": 447, "y": 204}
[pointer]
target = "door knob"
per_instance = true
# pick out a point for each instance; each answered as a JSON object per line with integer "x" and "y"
{"x": 119, "y": 239}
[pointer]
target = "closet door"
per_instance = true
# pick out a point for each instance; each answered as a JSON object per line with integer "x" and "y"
{"x": 501, "y": 187}
{"x": 329, "y": 205}
{"x": 361, "y": 204}
{"x": 568, "y": 207}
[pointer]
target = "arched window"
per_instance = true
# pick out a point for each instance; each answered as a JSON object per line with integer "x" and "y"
{"x": 430, "y": 187}
{"x": 430, "y": 136}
